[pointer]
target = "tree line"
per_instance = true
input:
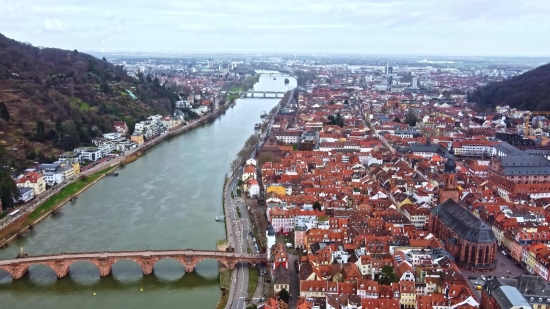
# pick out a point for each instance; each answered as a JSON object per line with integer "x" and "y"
{"x": 243, "y": 154}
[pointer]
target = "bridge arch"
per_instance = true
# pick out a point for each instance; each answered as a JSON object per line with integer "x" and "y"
{"x": 103, "y": 261}
{"x": 129, "y": 266}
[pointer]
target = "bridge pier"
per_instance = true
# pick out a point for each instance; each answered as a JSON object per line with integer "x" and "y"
{"x": 105, "y": 267}
{"x": 189, "y": 268}
{"x": 17, "y": 271}
{"x": 61, "y": 268}
{"x": 147, "y": 266}
{"x": 264, "y": 94}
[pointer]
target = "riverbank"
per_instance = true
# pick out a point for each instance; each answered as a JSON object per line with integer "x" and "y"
{"x": 224, "y": 275}
{"x": 58, "y": 200}
{"x": 252, "y": 281}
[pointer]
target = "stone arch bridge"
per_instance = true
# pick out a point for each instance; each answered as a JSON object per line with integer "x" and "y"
{"x": 104, "y": 261}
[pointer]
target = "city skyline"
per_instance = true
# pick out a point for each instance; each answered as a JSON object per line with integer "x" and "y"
{"x": 427, "y": 27}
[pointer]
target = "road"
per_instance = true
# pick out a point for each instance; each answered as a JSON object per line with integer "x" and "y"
{"x": 238, "y": 229}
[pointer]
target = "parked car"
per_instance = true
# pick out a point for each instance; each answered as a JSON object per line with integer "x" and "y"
{"x": 483, "y": 277}
{"x": 472, "y": 277}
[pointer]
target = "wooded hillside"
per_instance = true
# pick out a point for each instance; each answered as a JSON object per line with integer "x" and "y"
{"x": 53, "y": 100}
{"x": 529, "y": 91}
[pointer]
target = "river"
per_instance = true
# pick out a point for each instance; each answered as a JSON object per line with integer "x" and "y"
{"x": 167, "y": 199}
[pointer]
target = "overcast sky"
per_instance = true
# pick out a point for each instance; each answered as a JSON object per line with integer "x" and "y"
{"x": 414, "y": 27}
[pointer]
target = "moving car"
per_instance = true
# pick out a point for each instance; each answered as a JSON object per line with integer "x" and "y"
{"x": 472, "y": 277}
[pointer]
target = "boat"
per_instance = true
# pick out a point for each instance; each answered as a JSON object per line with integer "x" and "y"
{"x": 256, "y": 126}
{"x": 263, "y": 114}
{"x": 220, "y": 218}
{"x": 274, "y": 78}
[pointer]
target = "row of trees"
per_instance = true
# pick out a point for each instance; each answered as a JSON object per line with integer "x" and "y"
{"x": 243, "y": 154}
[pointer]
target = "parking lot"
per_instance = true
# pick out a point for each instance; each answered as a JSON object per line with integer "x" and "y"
{"x": 506, "y": 267}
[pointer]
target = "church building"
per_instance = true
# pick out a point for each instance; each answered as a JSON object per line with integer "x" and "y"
{"x": 467, "y": 238}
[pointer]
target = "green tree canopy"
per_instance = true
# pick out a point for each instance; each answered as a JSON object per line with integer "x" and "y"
{"x": 317, "y": 206}
{"x": 411, "y": 119}
{"x": 8, "y": 188}
{"x": 387, "y": 275}
{"x": 284, "y": 295}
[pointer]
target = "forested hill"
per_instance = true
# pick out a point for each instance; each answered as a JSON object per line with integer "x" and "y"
{"x": 53, "y": 100}
{"x": 529, "y": 91}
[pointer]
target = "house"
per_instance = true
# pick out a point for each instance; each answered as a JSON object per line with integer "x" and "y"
{"x": 137, "y": 138}
{"x": 273, "y": 303}
{"x": 121, "y": 127}
{"x": 89, "y": 153}
{"x": 253, "y": 188}
{"x": 33, "y": 180}
{"x": 249, "y": 172}
{"x": 70, "y": 156}
{"x": 26, "y": 194}
{"x": 281, "y": 279}
{"x": 52, "y": 173}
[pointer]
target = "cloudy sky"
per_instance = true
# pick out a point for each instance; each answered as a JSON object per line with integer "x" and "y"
{"x": 410, "y": 27}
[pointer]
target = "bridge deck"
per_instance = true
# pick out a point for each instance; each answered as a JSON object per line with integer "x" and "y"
{"x": 129, "y": 254}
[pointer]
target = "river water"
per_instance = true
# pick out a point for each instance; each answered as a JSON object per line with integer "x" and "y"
{"x": 167, "y": 199}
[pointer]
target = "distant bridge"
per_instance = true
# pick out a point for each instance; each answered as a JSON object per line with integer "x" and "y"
{"x": 189, "y": 258}
{"x": 258, "y": 94}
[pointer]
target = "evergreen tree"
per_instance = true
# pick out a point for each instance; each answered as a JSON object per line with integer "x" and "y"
{"x": 4, "y": 113}
{"x": 284, "y": 295}
{"x": 8, "y": 188}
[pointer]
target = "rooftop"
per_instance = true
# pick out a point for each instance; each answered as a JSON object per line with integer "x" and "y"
{"x": 463, "y": 223}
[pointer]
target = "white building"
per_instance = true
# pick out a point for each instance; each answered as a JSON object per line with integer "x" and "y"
{"x": 89, "y": 153}
{"x": 253, "y": 188}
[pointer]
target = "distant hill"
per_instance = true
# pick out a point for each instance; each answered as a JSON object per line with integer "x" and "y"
{"x": 53, "y": 100}
{"x": 529, "y": 91}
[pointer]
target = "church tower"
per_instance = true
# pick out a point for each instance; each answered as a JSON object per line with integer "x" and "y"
{"x": 449, "y": 190}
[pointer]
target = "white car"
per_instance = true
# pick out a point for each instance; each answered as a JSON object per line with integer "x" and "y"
{"x": 483, "y": 278}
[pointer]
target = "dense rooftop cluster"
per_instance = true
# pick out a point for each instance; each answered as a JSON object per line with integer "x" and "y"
{"x": 366, "y": 192}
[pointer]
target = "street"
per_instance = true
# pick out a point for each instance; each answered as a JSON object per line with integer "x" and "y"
{"x": 499, "y": 271}
{"x": 238, "y": 229}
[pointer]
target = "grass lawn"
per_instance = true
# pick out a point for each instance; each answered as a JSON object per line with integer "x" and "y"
{"x": 225, "y": 278}
{"x": 63, "y": 195}
{"x": 234, "y": 96}
{"x": 252, "y": 281}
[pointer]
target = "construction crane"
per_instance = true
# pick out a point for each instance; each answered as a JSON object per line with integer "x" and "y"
{"x": 528, "y": 118}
